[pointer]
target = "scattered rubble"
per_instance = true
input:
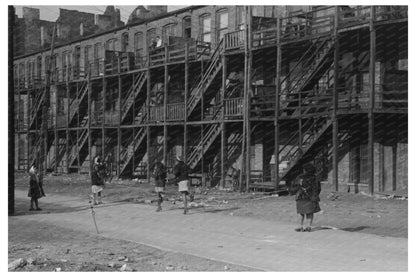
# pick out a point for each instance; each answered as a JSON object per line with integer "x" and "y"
{"x": 170, "y": 267}
{"x": 17, "y": 264}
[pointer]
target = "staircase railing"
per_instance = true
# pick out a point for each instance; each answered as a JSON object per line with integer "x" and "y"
{"x": 37, "y": 105}
{"x": 212, "y": 70}
{"x": 76, "y": 103}
{"x": 132, "y": 94}
{"x": 128, "y": 153}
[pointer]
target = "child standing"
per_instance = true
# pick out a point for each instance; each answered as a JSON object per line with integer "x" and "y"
{"x": 97, "y": 180}
{"x": 159, "y": 173}
{"x": 35, "y": 189}
{"x": 181, "y": 173}
{"x": 307, "y": 196}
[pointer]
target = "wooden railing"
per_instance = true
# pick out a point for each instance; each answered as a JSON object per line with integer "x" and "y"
{"x": 156, "y": 113}
{"x": 233, "y": 107}
{"x": 234, "y": 40}
{"x": 175, "y": 111}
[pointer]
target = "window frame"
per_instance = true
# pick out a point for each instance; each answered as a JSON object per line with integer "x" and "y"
{"x": 172, "y": 28}
{"x": 184, "y": 27}
{"x": 138, "y": 47}
{"x": 202, "y": 31}
{"x": 218, "y": 23}
{"x": 124, "y": 42}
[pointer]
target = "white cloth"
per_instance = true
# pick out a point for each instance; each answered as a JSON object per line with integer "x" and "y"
{"x": 96, "y": 189}
{"x": 183, "y": 185}
{"x": 159, "y": 189}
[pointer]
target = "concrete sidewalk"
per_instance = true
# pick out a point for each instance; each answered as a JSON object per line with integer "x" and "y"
{"x": 260, "y": 244}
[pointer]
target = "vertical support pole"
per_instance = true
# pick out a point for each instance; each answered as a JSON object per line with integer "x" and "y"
{"x": 104, "y": 90}
{"x": 335, "y": 105}
{"x": 245, "y": 107}
{"x": 381, "y": 167}
{"x": 67, "y": 130}
{"x": 185, "y": 125}
{"x": 165, "y": 109}
{"x": 78, "y": 127}
{"x": 277, "y": 105}
{"x": 20, "y": 121}
{"x": 223, "y": 146}
{"x": 148, "y": 83}
{"x": 394, "y": 177}
{"x": 371, "y": 104}
{"x": 119, "y": 118}
{"x": 248, "y": 80}
{"x": 28, "y": 125}
{"x": 89, "y": 123}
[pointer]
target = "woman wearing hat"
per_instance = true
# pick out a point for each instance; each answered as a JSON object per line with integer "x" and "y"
{"x": 307, "y": 196}
{"x": 181, "y": 173}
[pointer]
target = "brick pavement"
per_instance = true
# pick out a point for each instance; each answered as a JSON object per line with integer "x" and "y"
{"x": 260, "y": 244}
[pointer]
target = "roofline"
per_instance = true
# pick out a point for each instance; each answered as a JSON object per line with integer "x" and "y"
{"x": 144, "y": 21}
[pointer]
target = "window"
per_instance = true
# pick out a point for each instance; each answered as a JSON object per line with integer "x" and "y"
{"x": 150, "y": 36}
{"x": 222, "y": 24}
{"x": 206, "y": 28}
{"x": 138, "y": 47}
{"x": 241, "y": 18}
{"x": 39, "y": 67}
{"x": 97, "y": 51}
{"x": 167, "y": 31}
{"x": 110, "y": 45}
{"x": 187, "y": 27}
{"x": 87, "y": 57}
{"x": 77, "y": 60}
{"x": 359, "y": 171}
{"x": 124, "y": 42}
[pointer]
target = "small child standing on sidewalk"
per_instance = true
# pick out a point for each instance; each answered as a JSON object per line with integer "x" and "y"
{"x": 159, "y": 174}
{"x": 307, "y": 196}
{"x": 35, "y": 189}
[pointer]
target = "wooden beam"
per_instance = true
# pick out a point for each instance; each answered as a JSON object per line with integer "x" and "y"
{"x": 223, "y": 137}
{"x": 394, "y": 177}
{"x": 248, "y": 80}
{"x": 335, "y": 105}
{"x": 245, "y": 107}
{"x": 119, "y": 116}
{"x": 148, "y": 83}
{"x": 89, "y": 124}
{"x": 277, "y": 104}
{"x": 185, "y": 125}
{"x": 165, "y": 109}
{"x": 371, "y": 104}
{"x": 104, "y": 90}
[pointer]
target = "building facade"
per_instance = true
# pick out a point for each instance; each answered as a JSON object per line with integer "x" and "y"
{"x": 227, "y": 87}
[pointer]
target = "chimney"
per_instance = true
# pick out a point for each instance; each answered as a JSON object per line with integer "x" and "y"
{"x": 30, "y": 14}
{"x": 81, "y": 29}
{"x": 42, "y": 35}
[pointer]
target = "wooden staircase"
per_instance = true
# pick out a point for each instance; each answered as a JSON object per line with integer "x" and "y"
{"x": 36, "y": 109}
{"x": 126, "y": 156}
{"x": 78, "y": 148}
{"x": 214, "y": 66}
{"x": 76, "y": 104}
{"x": 132, "y": 94}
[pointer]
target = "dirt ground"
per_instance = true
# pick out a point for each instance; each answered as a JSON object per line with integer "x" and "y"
{"x": 69, "y": 250}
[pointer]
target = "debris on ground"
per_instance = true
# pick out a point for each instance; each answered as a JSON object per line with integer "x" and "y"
{"x": 17, "y": 264}
{"x": 170, "y": 267}
{"x": 332, "y": 196}
{"x": 226, "y": 268}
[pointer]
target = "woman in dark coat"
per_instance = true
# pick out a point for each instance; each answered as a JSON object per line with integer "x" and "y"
{"x": 35, "y": 189}
{"x": 307, "y": 196}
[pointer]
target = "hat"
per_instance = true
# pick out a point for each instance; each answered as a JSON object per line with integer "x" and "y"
{"x": 179, "y": 158}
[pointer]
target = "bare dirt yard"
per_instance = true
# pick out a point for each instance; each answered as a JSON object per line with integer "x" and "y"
{"x": 49, "y": 248}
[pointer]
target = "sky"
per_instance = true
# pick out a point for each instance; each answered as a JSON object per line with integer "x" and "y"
{"x": 51, "y": 13}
